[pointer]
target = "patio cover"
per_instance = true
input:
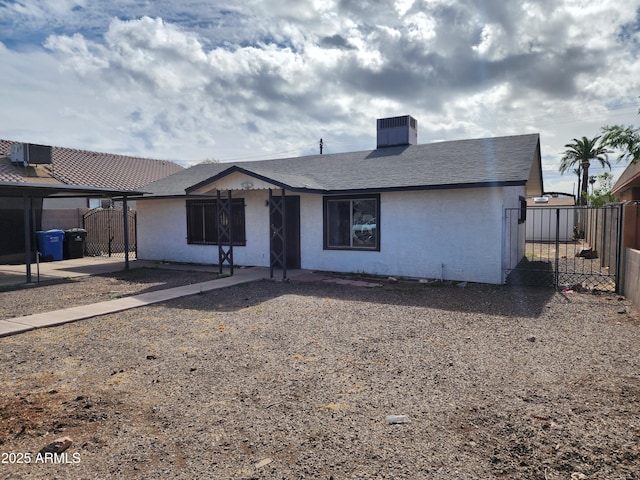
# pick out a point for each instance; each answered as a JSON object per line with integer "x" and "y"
{"x": 29, "y": 191}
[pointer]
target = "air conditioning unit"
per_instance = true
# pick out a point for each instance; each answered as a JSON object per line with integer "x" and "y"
{"x": 394, "y": 131}
{"x": 17, "y": 154}
{"x": 30, "y": 154}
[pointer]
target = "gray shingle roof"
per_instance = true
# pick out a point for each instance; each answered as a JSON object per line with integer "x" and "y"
{"x": 513, "y": 160}
{"x": 82, "y": 167}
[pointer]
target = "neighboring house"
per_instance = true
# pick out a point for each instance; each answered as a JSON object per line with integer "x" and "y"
{"x": 49, "y": 165}
{"x": 70, "y": 166}
{"x": 419, "y": 211}
{"x": 627, "y": 188}
{"x": 551, "y": 218}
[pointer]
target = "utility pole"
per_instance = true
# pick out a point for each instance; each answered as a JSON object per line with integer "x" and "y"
{"x": 321, "y": 146}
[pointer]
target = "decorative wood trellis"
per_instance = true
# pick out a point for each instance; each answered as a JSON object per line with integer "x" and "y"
{"x": 278, "y": 236}
{"x": 225, "y": 231}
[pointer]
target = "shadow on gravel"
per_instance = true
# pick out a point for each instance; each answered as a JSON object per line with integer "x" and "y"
{"x": 155, "y": 278}
{"x": 532, "y": 273}
{"x": 509, "y": 301}
{"x": 166, "y": 278}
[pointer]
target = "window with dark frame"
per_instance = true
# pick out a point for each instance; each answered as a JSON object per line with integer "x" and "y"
{"x": 351, "y": 222}
{"x": 202, "y": 222}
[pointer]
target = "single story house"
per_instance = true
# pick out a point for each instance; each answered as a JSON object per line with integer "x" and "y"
{"x": 417, "y": 211}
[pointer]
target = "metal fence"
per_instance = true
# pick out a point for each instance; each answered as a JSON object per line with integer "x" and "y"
{"x": 566, "y": 247}
{"x": 105, "y": 232}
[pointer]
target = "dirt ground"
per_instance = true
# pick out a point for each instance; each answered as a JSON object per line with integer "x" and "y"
{"x": 291, "y": 380}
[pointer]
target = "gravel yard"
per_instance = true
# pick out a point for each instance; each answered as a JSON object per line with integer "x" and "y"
{"x": 291, "y": 380}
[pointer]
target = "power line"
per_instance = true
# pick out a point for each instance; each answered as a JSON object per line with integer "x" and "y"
{"x": 574, "y": 116}
{"x": 264, "y": 155}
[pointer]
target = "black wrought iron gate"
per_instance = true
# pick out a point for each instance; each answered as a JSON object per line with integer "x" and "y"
{"x": 564, "y": 247}
{"x": 105, "y": 232}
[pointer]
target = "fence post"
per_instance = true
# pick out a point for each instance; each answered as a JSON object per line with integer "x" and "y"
{"x": 620, "y": 253}
{"x": 605, "y": 248}
{"x": 556, "y": 277}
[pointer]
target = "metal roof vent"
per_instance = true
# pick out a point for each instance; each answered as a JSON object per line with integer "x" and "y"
{"x": 395, "y": 131}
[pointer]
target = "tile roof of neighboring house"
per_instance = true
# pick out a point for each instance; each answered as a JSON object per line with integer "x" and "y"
{"x": 513, "y": 160}
{"x": 82, "y": 167}
{"x": 9, "y": 172}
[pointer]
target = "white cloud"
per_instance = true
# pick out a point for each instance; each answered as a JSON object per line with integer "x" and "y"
{"x": 402, "y": 6}
{"x": 421, "y": 28}
{"x": 78, "y": 53}
{"x": 197, "y": 79}
{"x": 492, "y": 44}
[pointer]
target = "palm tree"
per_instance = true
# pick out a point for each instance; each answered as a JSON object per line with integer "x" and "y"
{"x": 578, "y": 172}
{"x": 582, "y": 152}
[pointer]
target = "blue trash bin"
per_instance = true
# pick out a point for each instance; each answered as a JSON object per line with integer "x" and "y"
{"x": 50, "y": 244}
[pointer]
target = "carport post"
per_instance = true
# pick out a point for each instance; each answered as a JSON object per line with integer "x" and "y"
{"x": 27, "y": 235}
{"x": 125, "y": 212}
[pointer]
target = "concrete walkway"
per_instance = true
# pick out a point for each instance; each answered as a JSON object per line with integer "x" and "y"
{"x": 15, "y": 325}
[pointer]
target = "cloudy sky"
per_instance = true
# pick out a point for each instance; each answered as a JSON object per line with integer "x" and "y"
{"x": 203, "y": 79}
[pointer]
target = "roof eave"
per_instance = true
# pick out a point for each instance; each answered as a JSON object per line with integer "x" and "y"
{"x": 620, "y": 187}
{"x": 21, "y": 189}
{"x": 355, "y": 191}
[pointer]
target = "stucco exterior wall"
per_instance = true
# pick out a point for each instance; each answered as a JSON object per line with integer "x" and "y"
{"x": 62, "y": 218}
{"x": 443, "y": 234}
{"x": 513, "y": 242}
{"x": 162, "y": 232}
{"x": 440, "y": 234}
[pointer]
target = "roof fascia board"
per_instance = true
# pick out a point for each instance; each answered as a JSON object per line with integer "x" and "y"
{"x": 628, "y": 183}
{"x": 538, "y": 160}
{"x": 514, "y": 183}
{"x": 457, "y": 186}
{"x": 19, "y": 189}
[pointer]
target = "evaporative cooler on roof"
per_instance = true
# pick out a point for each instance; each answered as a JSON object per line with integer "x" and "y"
{"x": 30, "y": 154}
{"x": 394, "y": 131}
